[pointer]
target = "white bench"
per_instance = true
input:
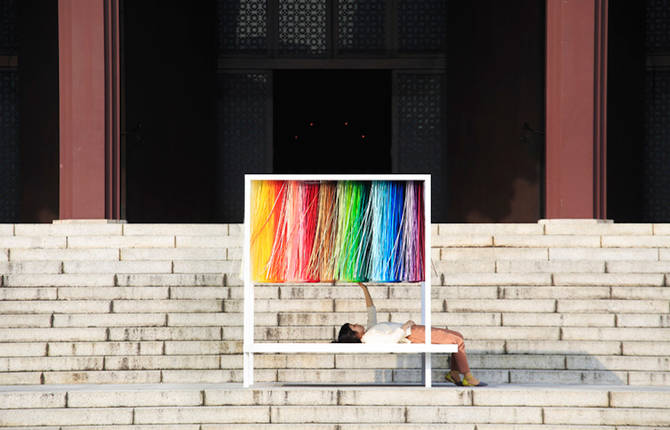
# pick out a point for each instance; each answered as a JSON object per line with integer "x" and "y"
{"x": 345, "y": 348}
{"x": 250, "y": 347}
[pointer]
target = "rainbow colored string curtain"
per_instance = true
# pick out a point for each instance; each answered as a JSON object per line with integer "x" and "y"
{"x": 323, "y": 231}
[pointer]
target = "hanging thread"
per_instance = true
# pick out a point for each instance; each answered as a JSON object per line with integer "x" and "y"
{"x": 353, "y": 231}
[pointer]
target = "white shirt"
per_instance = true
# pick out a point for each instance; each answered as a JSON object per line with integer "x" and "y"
{"x": 386, "y": 332}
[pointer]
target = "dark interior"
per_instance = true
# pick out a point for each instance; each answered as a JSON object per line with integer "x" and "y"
{"x": 495, "y": 111}
{"x": 626, "y": 112}
{"x": 169, "y": 54}
{"x": 38, "y": 110}
{"x": 332, "y": 121}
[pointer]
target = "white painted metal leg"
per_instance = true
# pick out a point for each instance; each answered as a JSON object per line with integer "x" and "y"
{"x": 248, "y": 377}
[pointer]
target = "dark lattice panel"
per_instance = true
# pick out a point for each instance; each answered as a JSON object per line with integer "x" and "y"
{"x": 421, "y": 131}
{"x": 302, "y": 27}
{"x": 242, "y": 26}
{"x": 658, "y": 25}
{"x": 361, "y": 25}
{"x": 8, "y": 39}
{"x": 243, "y": 115}
{"x": 657, "y": 146}
{"x": 422, "y": 25}
{"x": 9, "y": 145}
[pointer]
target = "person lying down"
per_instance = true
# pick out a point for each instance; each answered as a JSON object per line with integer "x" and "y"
{"x": 409, "y": 332}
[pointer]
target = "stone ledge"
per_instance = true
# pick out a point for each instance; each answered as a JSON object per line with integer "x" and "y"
{"x": 168, "y": 405}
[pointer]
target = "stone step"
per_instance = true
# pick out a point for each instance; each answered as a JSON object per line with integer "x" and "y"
{"x": 568, "y": 347}
{"x": 139, "y": 266}
{"x": 554, "y": 266}
{"x": 165, "y": 306}
{"x": 638, "y": 266}
{"x": 459, "y": 254}
{"x": 581, "y": 228}
{"x": 489, "y": 228}
{"x": 10, "y": 320}
{"x": 104, "y": 349}
{"x": 31, "y": 267}
{"x": 604, "y": 254}
{"x": 643, "y": 320}
{"x": 519, "y": 319}
{"x": 59, "y": 280}
{"x": 160, "y": 362}
{"x": 203, "y": 347}
{"x": 93, "y": 254}
{"x": 635, "y": 241}
{"x": 113, "y": 293}
{"x": 172, "y": 279}
{"x": 182, "y": 229}
{"x": 464, "y": 266}
{"x": 618, "y": 333}
{"x": 69, "y": 229}
{"x": 136, "y": 241}
{"x": 609, "y": 279}
{"x": 100, "y": 377}
{"x": 165, "y": 333}
{"x": 52, "y": 334}
{"x": 544, "y": 292}
{"x": 502, "y": 305}
{"x": 547, "y": 241}
{"x": 173, "y": 254}
{"x": 613, "y": 306}
{"x": 110, "y": 320}
{"x": 221, "y": 319}
{"x": 457, "y": 279}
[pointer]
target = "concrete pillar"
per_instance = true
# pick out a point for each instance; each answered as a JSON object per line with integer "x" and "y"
{"x": 88, "y": 41}
{"x": 576, "y": 100}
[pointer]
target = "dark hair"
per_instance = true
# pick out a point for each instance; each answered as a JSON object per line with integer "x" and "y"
{"x": 347, "y": 335}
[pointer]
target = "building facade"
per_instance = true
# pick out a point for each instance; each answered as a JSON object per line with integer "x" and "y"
{"x": 152, "y": 111}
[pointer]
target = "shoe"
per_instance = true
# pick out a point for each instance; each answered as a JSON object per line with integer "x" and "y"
{"x": 454, "y": 380}
{"x": 467, "y": 383}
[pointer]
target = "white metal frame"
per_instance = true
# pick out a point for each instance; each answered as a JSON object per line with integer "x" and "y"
{"x": 250, "y": 347}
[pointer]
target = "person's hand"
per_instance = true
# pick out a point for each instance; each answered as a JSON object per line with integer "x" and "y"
{"x": 408, "y": 324}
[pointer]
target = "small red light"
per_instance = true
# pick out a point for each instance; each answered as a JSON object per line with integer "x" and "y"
{"x": 295, "y": 137}
{"x": 346, "y": 123}
{"x": 311, "y": 124}
{"x": 362, "y": 136}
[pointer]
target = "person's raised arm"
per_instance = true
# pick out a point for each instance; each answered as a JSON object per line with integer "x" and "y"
{"x": 368, "y": 299}
{"x": 372, "y": 311}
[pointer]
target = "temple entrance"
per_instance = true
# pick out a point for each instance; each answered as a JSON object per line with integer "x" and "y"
{"x": 332, "y": 121}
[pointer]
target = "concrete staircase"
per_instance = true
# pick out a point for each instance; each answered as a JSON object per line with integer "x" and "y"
{"x": 210, "y": 407}
{"x": 554, "y": 302}
{"x": 559, "y": 303}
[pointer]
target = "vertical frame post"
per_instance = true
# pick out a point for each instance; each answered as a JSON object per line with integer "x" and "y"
{"x": 248, "y": 343}
{"x": 426, "y": 292}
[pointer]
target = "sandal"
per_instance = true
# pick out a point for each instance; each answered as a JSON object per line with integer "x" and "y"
{"x": 454, "y": 380}
{"x": 468, "y": 383}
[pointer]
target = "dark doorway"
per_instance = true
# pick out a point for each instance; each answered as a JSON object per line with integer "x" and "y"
{"x": 495, "y": 110}
{"x": 638, "y": 107}
{"x": 169, "y": 53}
{"x": 332, "y": 121}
